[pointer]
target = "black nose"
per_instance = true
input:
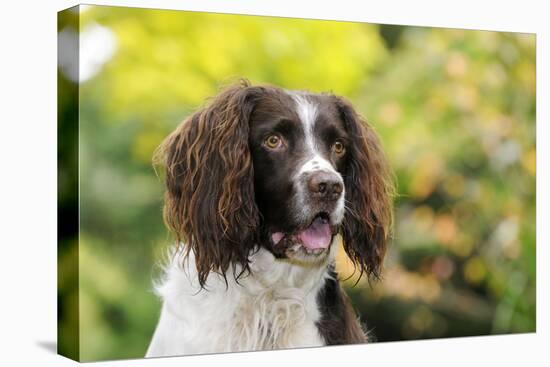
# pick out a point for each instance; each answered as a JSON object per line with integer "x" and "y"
{"x": 325, "y": 185}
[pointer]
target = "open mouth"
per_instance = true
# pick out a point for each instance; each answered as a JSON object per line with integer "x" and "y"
{"x": 314, "y": 238}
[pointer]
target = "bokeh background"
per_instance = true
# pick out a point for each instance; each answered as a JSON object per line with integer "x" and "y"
{"x": 455, "y": 110}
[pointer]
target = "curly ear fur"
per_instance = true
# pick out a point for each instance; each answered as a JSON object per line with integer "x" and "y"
{"x": 369, "y": 195}
{"x": 209, "y": 201}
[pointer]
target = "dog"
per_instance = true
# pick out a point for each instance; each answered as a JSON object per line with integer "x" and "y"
{"x": 261, "y": 185}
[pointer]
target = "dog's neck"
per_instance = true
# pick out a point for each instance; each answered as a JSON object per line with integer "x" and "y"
{"x": 269, "y": 272}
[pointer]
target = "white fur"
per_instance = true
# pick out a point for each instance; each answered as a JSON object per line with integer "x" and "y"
{"x": 272, "y": 308}
{"x": 307, "y": 111}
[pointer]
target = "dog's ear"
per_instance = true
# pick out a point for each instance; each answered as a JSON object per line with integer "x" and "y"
{"x": 209, "y": 199}
{"x": 369, "y": 194}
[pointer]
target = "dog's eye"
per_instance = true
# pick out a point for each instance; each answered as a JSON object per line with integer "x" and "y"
{"x": 273, "y": 141}
{"x": 338, "y": 147}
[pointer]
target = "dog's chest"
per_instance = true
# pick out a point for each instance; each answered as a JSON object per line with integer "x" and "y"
{"x": 270, "y": 319}
{"x": 273, "y": 308}
{"x": 259, "y": 316}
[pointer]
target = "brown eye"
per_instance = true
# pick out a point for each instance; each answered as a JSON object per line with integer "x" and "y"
{"x": 273, "y": 142}
{"x": 339, "y": 148}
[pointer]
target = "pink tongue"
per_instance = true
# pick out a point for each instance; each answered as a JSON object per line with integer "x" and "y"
{"x": 277, "y": 237}
{"x": 317, "y": 235}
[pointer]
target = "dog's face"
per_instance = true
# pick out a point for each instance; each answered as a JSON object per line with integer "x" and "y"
{"x": 285, "y": 170}
{"x": 298, "y": 145}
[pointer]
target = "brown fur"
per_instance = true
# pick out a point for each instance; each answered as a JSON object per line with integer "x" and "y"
{"x": 209, "y": 202}
{"x": 353, "y": 332}
{"x": 369, "y": 195}
{"x": 339, "y": 323}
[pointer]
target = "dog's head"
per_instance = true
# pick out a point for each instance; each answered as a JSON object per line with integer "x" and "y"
{"x": 285, "y": 170}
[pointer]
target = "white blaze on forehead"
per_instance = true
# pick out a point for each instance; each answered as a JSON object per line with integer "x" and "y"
{"x": 307, "y": 111}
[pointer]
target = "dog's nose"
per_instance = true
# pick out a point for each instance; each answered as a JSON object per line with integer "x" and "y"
{"x": 325, "y": 185}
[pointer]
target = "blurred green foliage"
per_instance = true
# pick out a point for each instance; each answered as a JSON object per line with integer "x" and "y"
{"x": 455, "y": 110}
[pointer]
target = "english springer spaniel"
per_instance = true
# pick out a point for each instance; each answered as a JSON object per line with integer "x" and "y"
{"x": 261, "y": 185}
